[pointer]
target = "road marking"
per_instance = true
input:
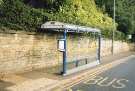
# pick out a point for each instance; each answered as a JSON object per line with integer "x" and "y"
{"x": 120, "y": 84}
{"x": 105, "y": 67}
{"x": 72, "y": 90}
{"x": 102, "y": 82}
{"x": 106, "y": 82}
{"x": 90, "y": 74}
{"x": 94, "y": 80}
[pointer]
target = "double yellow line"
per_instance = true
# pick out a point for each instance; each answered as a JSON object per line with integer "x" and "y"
{"x": 92, "y": 75}
{"x": 88, "y": 75}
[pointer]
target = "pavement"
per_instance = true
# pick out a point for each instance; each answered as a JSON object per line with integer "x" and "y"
{"x": 41, "y": 80}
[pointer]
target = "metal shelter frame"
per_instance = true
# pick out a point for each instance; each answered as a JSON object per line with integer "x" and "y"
{"x": 65, "y": 28}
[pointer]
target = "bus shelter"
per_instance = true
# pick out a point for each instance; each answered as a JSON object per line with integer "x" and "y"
{"x": 62, "y": 44}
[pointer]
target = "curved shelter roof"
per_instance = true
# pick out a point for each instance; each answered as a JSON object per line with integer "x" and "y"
{"x": 59, "y": 26}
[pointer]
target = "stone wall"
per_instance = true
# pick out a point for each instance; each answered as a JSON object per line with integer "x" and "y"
{"x": 119, "y": 47}
{"x": 21, "y": 52}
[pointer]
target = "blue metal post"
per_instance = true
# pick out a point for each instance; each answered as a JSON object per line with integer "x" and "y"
{"x": 65, "y": 53}
{"x": 76, "y": 63}
{"x": 99, "y": 47}
{"x": 86, "y": 61}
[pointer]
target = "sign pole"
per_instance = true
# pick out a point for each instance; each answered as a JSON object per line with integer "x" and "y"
{"x": 114, "y": 27}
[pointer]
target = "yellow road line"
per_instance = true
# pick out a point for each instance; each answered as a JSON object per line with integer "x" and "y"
{"x": 86, "y": 75}
{"x": 91, "y": 75}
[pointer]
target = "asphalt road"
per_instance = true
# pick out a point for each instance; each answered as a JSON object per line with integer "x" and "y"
{"x": 119, "y": 78}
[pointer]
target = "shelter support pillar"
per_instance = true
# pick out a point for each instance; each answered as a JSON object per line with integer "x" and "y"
{"x": 99, "y": 47}
{"x": 65, "y": 52}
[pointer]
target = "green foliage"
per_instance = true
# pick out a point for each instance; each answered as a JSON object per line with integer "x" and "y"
{"x": 117, "y": 35}
{"x": 21, "y": 14}
{"x": 125, "y": 13}
{"x": 83, "y": 13}
{"x": 15, "y": 13}
{"x": 1, "y": 1}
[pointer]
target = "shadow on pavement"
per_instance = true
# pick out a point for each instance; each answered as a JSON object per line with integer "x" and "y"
{"x": 4, "y": 85}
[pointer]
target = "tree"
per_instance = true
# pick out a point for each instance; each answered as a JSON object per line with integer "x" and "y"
{"x": 125, "y": 13}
